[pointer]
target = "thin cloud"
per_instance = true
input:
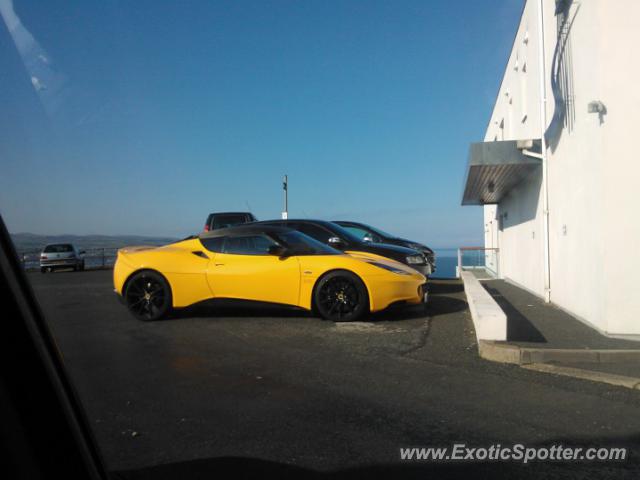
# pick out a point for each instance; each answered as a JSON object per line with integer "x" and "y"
{"x": 46, "y": 82}
{"x": 37, "y": 84}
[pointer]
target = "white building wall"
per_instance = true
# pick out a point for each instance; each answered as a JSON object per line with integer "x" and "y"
{"x": 593, "y": 169}
{"x": 516, "y": 115}
{"x": 621, "y": 164}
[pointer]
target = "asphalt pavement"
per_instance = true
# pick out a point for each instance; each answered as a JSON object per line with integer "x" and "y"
{"x": 276, "y": 385}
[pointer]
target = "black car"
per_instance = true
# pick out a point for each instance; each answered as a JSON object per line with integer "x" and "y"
{"x": 339, "y": 237}
{"x": 227, "y": 219}
{"x": 372, "y": 234}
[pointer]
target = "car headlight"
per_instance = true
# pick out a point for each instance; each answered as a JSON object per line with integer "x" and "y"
{"x": 399, "y": 271}
{"x": 415, "y": 260}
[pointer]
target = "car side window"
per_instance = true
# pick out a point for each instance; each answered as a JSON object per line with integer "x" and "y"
{"x": 316, "y": 232}
{"x": 249, "y": 245}
{"x": 213, "y": 244}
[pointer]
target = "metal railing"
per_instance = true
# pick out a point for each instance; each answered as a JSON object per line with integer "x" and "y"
{"x": 94, "y": 258}
{"x": 483, "y": 261}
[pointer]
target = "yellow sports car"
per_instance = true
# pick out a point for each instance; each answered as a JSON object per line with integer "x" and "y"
{"x": 264, "y": 264}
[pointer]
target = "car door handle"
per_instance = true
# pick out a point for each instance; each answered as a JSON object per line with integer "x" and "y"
{"x": 219, "y": 264}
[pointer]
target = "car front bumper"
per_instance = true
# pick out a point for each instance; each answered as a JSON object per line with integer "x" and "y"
{"x": 385, "y": 290}
{"x": 424, "y": 269}
{"x": 62, "y": 262}
{"x": 423, "y": 291}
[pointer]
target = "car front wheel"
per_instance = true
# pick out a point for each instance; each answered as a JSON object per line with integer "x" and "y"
{"x": 148, "y": 296}
{"x": 341, "y": 296}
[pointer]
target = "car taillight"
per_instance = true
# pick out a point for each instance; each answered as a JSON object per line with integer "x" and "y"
{"x": 206, "y": 228}
{"x": 43, "y": 257}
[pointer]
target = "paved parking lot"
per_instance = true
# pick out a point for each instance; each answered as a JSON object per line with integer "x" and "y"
{"x": 283, "y": 386}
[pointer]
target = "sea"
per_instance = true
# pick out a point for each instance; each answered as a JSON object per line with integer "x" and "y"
{"x": 446, "y": 262}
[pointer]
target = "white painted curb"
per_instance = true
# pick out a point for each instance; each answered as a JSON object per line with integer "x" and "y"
{"x": 489, "y": 320}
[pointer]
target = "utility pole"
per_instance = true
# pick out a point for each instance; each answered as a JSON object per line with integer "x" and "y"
{"x": 285, "y": 212}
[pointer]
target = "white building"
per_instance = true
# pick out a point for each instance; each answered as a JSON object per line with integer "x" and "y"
{"x": 572, "y": 85}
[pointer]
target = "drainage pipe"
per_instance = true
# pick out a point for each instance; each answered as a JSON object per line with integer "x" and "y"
{"x": 545, "y": 159}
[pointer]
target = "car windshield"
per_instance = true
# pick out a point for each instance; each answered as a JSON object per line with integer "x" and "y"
{"x": 342, "y": 232}
{"x": 61, "y": 248}
{"x": 379, "y": 232}
{"x": 300, "y": 244}
{"x": 224, "y": 221}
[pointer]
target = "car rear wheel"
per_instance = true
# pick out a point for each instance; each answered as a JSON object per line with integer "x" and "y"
{"x": 341, "y": 296}
{"x": 148, "y": 296}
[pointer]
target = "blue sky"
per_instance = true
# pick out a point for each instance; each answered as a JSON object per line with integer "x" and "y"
{"x": 142, "y": 117}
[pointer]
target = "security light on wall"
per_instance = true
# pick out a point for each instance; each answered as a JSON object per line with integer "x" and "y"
{"x": 596, "y": 107}
{"x": 525, "y": 145}
{"x": 522, "y": 144}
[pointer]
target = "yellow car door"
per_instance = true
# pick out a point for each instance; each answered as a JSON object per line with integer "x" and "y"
{"x": 245, "y": 270}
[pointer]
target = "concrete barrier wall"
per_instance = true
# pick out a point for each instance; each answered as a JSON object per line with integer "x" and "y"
{"x": 489, "y": 320}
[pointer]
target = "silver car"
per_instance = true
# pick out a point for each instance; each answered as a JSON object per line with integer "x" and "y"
{"x": 61, "y": 255}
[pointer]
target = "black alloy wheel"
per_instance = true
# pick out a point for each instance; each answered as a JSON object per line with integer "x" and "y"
{"x": 148, "y": 296}
{"x": 341, "y": 296}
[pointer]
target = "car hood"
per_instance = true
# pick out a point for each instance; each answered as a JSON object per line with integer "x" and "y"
{"x": 421, "y": 245}
{"x": 392, "y": 248}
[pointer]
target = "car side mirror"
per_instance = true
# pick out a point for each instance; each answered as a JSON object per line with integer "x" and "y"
{"x": 336, "y": 242}
{"x": 82, "y": 252}
{"x": 277, "y": 251}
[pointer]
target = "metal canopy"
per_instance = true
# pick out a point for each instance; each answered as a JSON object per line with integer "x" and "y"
{"x": 494, "y": 168}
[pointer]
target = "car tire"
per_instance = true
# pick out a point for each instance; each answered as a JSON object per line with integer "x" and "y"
{"x": 43, "y": 269}
{"x": 82, "y": 266}
{"x": 148, "y": 296}
{"x": 341, "y": 296}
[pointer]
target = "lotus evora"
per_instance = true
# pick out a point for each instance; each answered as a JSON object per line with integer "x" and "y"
{"x": 265, "y": 264}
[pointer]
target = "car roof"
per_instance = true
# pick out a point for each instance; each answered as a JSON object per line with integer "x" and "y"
{"x": 291, "y": 220}
{"x": 349, "y": 222}
{"x": 245, "y": 229}
{"x": 230, "y": 213}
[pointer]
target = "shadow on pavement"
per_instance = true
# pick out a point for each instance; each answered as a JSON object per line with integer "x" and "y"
{"x": 238, "y": 308}
{"x": 438, "y": 305}
{"x": 438, "y": 287}
{"x": 519, "y": 328}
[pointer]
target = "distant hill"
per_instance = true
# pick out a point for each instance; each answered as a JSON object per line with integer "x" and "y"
{"x": 31, "y": 241}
